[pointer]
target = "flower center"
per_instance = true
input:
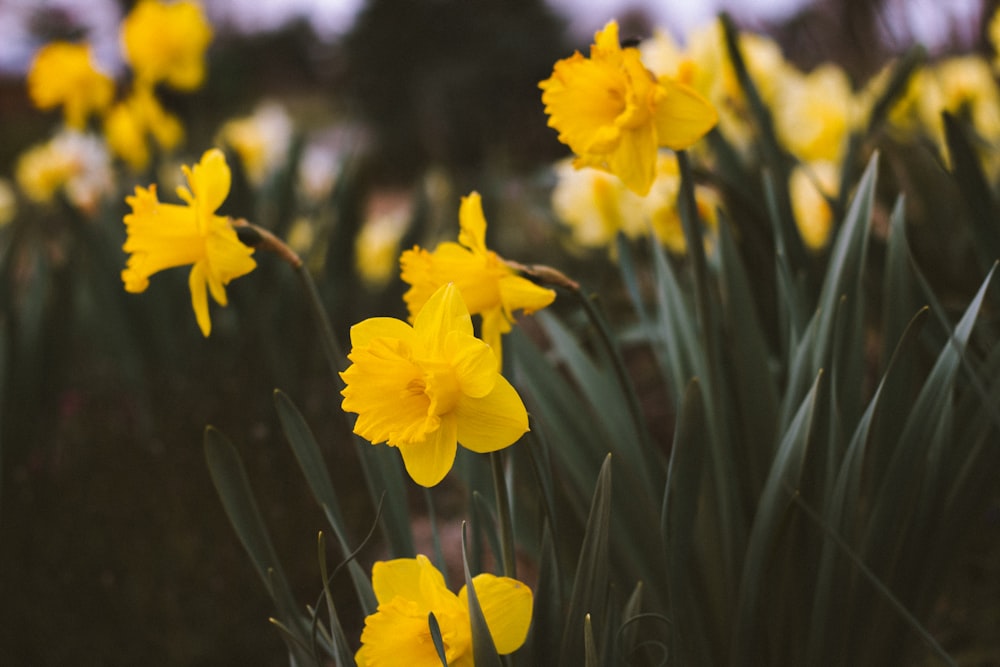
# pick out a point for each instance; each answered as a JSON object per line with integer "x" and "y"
{"x": 440, "y": 384}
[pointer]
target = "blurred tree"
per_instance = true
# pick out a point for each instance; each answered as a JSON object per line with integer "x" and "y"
{"x": 452, "y": 82}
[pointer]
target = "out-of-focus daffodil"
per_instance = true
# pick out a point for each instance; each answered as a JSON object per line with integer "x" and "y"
{"x": 63, "y": 74}
{"x": 72, "y": 163}
{"x": 488, "y": 285}
{"x": 596, "y": 206}
{"x": 815, "y": 114}
{"x": 131, "y": 122}
{"x": 163, "y": 236}
{"x": 261, "y": 140}
{"x": 166, "y": 42}
{"x": 8, "y": 202}
{"x": 376, "y": 247}
{"x": 408, "y": 590}
{"x": 808, "y": 187}
{"x": 615, "y": 114}
{"x": 428, "y": 387}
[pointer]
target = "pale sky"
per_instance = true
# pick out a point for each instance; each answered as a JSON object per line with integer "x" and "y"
{"x": 929, "y": 21}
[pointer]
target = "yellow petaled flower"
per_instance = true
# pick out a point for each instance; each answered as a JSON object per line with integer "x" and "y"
{"x": 72, "y": 163}
{"x": 615, "y": 114}
{"x": 162, "y": 236}
{"x": 166, "y": 42}
{"x": 408, "y": 590}
{"x": 261, "y": 140}
{"x": 489, "y": 286}
{"x": 64, "y": 74}
{"x": 426, "y": 388}
{"x": 808, "y": 187}
{"x": 815, "y": 114}
{"x": 129, "y": 124}
{"x": 376, "y": 247}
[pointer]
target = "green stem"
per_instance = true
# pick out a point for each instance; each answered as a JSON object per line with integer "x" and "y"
{"x": 503, "y": 516}
{"x": 334, "y": 353}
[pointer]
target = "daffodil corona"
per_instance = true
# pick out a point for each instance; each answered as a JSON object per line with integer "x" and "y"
{"x": 615, "y": 114}
{"x": 408, "y": 590}
{"x": 162, "y": 236}
{"x": 489, "y": 286}
{"x": 427, "y": 387}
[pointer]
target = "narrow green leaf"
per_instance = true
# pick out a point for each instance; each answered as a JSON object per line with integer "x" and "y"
{"x": 233, "y": 486}
{"x": 435, "y": 629}
{"x": 977, "y": 197}
{"x": 590, "y": 582}
{"x": 772, "y": 513}
{"x": 591, "y": 654}
{"x": 313, "y": 466}
{"x": 484, "y": 651}
{"x": 338, "y": 639}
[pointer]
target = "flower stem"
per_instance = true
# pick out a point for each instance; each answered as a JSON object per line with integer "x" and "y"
{"x": 503, "y": 516}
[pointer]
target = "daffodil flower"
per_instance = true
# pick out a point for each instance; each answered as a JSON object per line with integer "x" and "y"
{"x": 427, "y": 387}
{"x": 162, "y": 236}
{"x": 615, "y": 114}
{"x": 489, "y": 286}
{"x": 63, "y": 74}
{"x": 166, "y": 42}
{"x": 409, "y": 589}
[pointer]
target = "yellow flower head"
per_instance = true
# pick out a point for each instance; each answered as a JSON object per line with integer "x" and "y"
{"x": 409, "y": 589}
{"x": 64, "y": 74}
{"x": 489, "y": 286}
{"x": 808, "y": 187}
{"x": 162, "y": 236}
{"x": 129, "y": 123}
{"x": 427, "y": 387}
{"x": 261, "y": 140}
{"x": 166, "y": 43}
{"x": 815, "y": 114}
{"x": 72, "y": 163}
{"x": 614, "y": 113}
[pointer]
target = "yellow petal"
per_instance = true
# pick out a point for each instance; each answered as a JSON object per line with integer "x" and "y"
{"x": 493, "y": 422}
{"x": 445, "y": 311}
{"x": 472, "y": 222}
{"x": 364, "y": 332}
{"x": 634, "y": 161}
{"x": 398, "y": 633}
{"x": 406, "y": 578}
{"x": 495, "y": 324}
{"x": 209, "y": 180}
{"x": 507, "y": 607}
{"x": 519, "y": 293}
{"x": 228, "y": 256}
{"x": 429, "y": 461}
{"x": 473, "y": 364}
{"x": 198, "y": 283}
{"x": 683, "y": 116}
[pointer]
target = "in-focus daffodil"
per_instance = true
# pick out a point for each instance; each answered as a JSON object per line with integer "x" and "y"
{"x": 408, "y": 590}
{"x": 615, "y": 114}
{"x": 166, "y": 42}
{"x": 162, "y": 236}
{"x": 428, "y": 387}
{"x": 63, "y": 74}
{"x": 489, "y": 286}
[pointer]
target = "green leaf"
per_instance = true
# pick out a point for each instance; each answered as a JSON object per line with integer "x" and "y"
{"x": 977, "y": 197}
{"x": 772, "y": 513}
{"x": 341, "y": 654}
{"x": 435, "y": 630}
{"x": 592, "y": 657}
{"x": 233, "y": 486}
{"x": 590, "y": 582}
{"x": 484, "y": 651}
{"x": 310, "y": 459}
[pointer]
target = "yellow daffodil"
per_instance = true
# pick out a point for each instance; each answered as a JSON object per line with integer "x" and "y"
{"x": 376, "y": 247}
{"x": 427, "y": 387}
{"x": 166, "y": 42}
{"x": 261, "y": 140}
{"x": 815, "y": 114}
{"x": 615, "y": 114}
{"x": 63, "y": 74}
{"x": 489, "y": 286}
{"x": 162, "y": 236}
{"x": 408, "y": 590}
{"x": 130, "y": 122}
{"x": 72, "y": 163}
{"x": 808, "y": 187}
